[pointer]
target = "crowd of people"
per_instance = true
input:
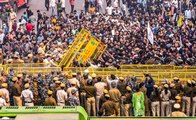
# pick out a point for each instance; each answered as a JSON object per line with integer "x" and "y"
{"x": 110, "y": 96}
{"x": 122, "y": 26}
{"x": 38, "y": 38}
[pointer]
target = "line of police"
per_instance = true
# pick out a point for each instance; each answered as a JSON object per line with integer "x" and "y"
{"x": 119, "y": 97}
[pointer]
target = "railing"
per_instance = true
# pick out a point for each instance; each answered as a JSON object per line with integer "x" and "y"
{"x": 34, "y": 70}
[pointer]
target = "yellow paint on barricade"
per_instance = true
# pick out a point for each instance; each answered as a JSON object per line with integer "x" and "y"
{"x": 89, "y": 50}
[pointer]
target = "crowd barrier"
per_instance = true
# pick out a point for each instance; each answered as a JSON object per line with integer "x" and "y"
{"x": 158, "y": 72}
{"x": 34, "y": 70}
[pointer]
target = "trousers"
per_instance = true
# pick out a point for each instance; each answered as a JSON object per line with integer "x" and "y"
{"x": 186, "y": 103}
{"x": 122, "y": 106}
{"x": 164, "y": 108}
{"x": 97, "y": 100}
{"x": 91, "y": 102}
{"x": 128, "y": 110}
{"x": 155, "y": 107}
{"x": 17, "y": 101}
{"x": 118, "y": 107}
{"x": 171, "y": 102}
{"x": 61, "y": 104}
{"x": 83, "y": 100}
{"x": 29, "y": 104}
{"x": 194, "y": 106}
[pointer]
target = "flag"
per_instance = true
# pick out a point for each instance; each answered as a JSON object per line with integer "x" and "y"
{"x": 150, "y": 34}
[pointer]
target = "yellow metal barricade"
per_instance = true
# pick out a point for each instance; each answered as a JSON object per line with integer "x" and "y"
{"x": 34, "y": 70}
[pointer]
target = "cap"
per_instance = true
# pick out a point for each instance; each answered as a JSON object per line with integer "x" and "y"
{"x": 177, "y": 106}
{"x": 57, "y": 82}
{"x": 10, "y": 60}
{"x": 4, "y": 85}
{"x": 94, "y": 75}
{"x": 177, "y": 97}
{"x": 14, "y": 79}
{"x": 62, "y": 85}
{"x": 155, "y": 86}
{"x": 73, "y": 91}
{"x": 128, "y": 88}
{"x": 166, "y": 86}
{"x": 86, "y": 71}
{"x": 189, "y": 82}
{"x": 26, "y": 85}
{"x": 56, "y": 78}
{"x": 19, "y": 75}
{"x": 1, "y": 94}
{"x": 175, "y": 78}
{"x": 72, "y": 83}
{"x": 30, "y": 55}
{"x": 74, "y": 74}
{"x": 107, "y": 95}
{"x": 50, "y": 92}
{"x": 172, "y": 85}
{"x": 105, "y": 91}
{"x": 121, "y": 78}
{"x": 193, "y": 82}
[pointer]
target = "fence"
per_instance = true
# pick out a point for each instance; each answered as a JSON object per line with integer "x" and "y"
{"x": 34, "y": 70}
{"x": 158, "y": 72}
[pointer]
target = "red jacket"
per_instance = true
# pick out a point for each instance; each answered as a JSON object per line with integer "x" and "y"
{"x": 29, "y": 27}
{"x": 71, "y": 2}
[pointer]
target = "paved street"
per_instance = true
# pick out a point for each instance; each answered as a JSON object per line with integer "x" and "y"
{"x": 40, "y": 5}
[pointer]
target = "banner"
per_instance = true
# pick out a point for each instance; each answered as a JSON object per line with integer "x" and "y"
{"x": 88, "y": 51}
{"x": 150, "y": 34}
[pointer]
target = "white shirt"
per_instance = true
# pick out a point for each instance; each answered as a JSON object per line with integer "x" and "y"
{"x": 110, "y": 81}
{"x": 2, "y": 102}
{"x": 5, "y": 94}
{"x": 2, "y": 35}
{"x": 27, "y": 95}
{"x": 63, "y": 3}
{"x": 75, "y": 81}
{"x": 52, "y": 3}
{"x": 61, "y": 96}
{"x": 188, "y": 14}
{"x": 100, "y": 88}
{"x": 109, "y": 10}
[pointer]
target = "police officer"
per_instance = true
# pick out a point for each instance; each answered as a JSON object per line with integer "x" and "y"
{"x": 61, "y": 95}
{"x": 173, "y": 94}
{"x": 177, "y": 84}
{"x": 27, "y": 96}
{"x": 102, "y": 98}
{"x": 193, "y": 97}
{"x": 121, "y": 86}
{"x": 74, "y": 80}
{"x": 82, "y": 91}
{"x": 187, "y": 97}
{"x": 109, "y": 107}
{"x": 90, "y": 95}
{"x": 165, "y": 96}
{"x": 115, "y": 95}
{"x": 177, "y": 112}
{"x": 155, "y": 104}
{"x": 5, "y": 93}
{"x": 50, "y": 101}
{"x": 16, "y": 92}
{"x": 128, "y": 102}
